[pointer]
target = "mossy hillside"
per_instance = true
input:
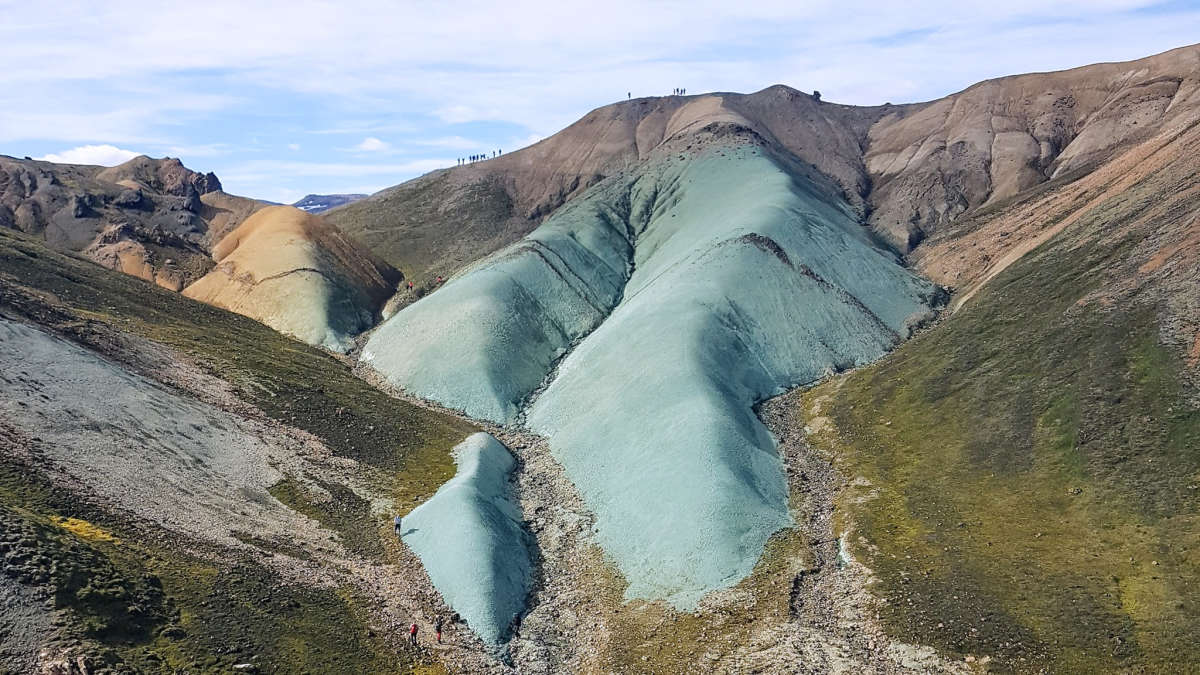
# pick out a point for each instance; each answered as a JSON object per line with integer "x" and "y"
{"x": 1033, "y": 466}
{"x": 342, "y": 511}
{"x": 653, "y": 637}
{"x": 195, "y": 605}
{"x": 433, "y": 225}
{"x": 142, "y": 603}
{"x": 291, "y": 382}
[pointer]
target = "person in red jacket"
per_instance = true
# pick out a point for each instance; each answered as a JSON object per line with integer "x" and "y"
{"x": 412, "y": 634}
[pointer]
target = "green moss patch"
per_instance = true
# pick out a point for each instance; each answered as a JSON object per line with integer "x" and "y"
{"x": 343, "y": 512}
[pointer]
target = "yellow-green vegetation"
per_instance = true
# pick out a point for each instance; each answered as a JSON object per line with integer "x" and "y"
{"x": 84, "y": 530}
{"x": 653, "y": 637}
{"x": 341, "y": 511}
{"x": 1034, "y": 464}
{"x": 143, "y": 599}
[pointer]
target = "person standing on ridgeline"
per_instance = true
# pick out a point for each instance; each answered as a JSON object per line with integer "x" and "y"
{"x": 396, "y": 520}
{"x": 412, "y": 634}
{"x": 628, "y": 95}
{"x": 437, "y": 628}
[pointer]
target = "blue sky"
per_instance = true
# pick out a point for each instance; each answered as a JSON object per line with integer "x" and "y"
{"x": 284, "y": 99}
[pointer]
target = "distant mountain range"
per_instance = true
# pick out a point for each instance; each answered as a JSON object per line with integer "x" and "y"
{"x": 320, "y": 203}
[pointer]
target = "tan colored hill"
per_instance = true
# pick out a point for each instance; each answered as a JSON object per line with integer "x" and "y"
{"x": 296, "y": 273}
{"x": 158, "y": 220}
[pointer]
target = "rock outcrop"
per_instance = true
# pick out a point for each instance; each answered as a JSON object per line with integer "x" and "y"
{"x": 146, "y": 217}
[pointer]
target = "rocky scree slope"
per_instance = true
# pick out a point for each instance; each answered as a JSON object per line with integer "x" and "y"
{"x": 183, "y": 488}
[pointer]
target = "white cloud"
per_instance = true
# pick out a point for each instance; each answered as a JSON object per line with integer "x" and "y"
{"x": 372, "y": 144}
{"x": 457, "y": 114}
{"x": 103, "y": 155}
{"x": 374, "y": 69}
{"x": 293, "y": 146}
{"x": 269, "y": 179}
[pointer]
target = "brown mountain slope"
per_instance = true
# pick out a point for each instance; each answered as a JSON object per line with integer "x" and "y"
{"x": 999, "y": 137}
{"x": 439, "y": 222}
{"x": 294, "y": 272}
{"x": 1024, "y": 479}
{"x": 911, "y": 169}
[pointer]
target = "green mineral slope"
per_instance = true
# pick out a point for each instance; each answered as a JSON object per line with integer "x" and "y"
{"x": 1032, "y": 464}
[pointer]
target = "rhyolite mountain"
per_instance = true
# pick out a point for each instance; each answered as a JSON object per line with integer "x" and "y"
{"x": 771, "y": 382}
{"x": 158, "y": 220}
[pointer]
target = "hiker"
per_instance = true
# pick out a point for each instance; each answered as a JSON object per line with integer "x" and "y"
{"x": 439, "y": 280}
{"x": 628, "y": 95}
{"x": 437, "y": 628}
{"x": 412, "y": 634}
{"x": 396, "y": 520}
{"x": 410, "y": 287}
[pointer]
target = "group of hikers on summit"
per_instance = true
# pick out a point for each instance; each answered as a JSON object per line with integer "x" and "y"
{"x": 479, "y": 158}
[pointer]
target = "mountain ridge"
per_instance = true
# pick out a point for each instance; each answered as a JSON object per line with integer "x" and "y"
{"x": 491, "y": 203}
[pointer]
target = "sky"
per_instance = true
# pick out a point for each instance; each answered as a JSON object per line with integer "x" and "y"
{"x": 282, "y": 99}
